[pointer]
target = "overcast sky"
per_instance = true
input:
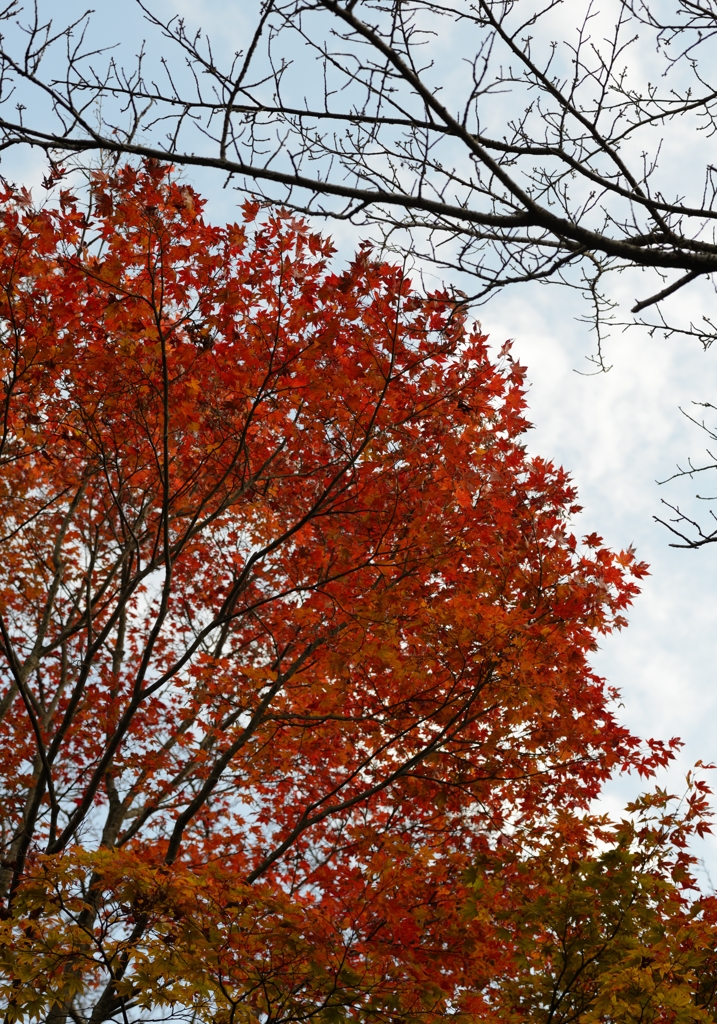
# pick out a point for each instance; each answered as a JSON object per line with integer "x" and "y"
{"x": 617, "y": 433}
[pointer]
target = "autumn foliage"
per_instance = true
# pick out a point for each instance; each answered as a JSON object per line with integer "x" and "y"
{"x": 297, "y": 716}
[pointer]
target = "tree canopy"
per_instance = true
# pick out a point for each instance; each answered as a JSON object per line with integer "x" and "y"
{"x": 295, "y": 643}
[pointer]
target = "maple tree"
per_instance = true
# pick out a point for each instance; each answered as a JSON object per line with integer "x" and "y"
{"x": 295, "y": 636}
{"x": 593, "y": 923}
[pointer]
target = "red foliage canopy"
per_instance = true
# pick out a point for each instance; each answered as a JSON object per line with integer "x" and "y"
{"x": 294, "y": 631}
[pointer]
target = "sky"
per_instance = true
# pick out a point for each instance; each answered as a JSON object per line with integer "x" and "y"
{"x": 617, "y": 433}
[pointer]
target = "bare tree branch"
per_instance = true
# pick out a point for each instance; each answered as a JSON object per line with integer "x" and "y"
{"x": 500, "y": 153}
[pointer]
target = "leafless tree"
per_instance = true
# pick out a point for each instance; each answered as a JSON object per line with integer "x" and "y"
{"x": 510, "y": 140}
{"x": 688, "y": 531}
